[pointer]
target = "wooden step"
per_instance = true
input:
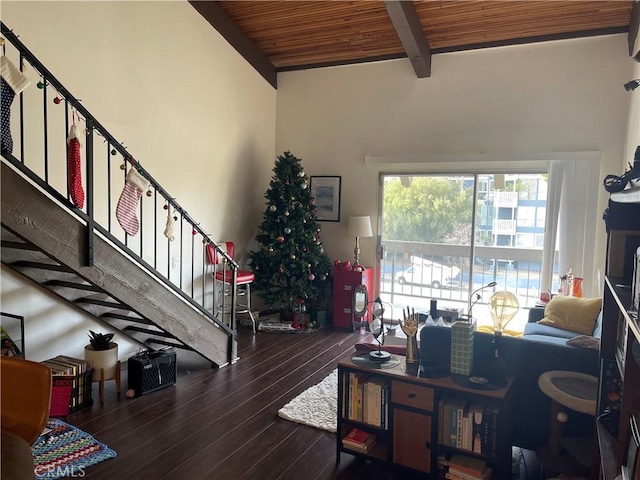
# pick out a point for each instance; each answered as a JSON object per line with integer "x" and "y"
{"x": 78, "y": 286}
{"x": 120, "y": 316}
{"x": 42, "y": 266}
{"x": 103, "y": 303}
{"x": 159, "y": 333}
{"x": 18, "y": 245}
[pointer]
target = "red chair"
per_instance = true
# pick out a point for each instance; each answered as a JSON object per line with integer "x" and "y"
{"x": 224, "y": 275}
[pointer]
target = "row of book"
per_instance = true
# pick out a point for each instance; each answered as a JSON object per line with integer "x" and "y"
{"x": 365, "y": 399}
{"x": 70, "y": 384}
{"x": 461, "y": 467}
{"x": 359, "y": 440}
{"x": 468, "y": 425}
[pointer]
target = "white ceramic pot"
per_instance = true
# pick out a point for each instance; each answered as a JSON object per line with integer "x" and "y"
{"x": 102, "y": 359}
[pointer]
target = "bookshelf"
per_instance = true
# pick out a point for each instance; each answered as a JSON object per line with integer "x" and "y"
{"x": 406, "y": 415}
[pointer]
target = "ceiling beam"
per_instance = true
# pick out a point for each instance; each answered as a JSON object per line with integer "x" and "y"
{"x": 213, "y": 13}
{"x": 634, "y": 24}
{"x": 406, "y": 22}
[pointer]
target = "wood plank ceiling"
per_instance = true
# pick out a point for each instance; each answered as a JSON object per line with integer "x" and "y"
{"x": 277, "y": 36}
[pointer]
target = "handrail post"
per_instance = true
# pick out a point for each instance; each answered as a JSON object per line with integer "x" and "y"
{"x": 90, "y": 221}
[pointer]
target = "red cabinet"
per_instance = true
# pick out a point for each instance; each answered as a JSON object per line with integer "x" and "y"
{"x": 344, "y": 282}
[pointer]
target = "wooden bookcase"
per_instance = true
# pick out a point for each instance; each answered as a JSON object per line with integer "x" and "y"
{"x": 408, "y": 434}
{"x": 619, "y": 389}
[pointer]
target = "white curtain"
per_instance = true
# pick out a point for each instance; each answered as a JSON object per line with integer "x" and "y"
{"x": 571, "y": 205}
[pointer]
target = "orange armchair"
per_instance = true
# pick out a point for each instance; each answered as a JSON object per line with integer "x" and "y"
{"x": 25, "y": 397}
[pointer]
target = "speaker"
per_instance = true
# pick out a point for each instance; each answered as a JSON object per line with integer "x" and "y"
{"x": 152, "y": 370}
{"x": 435, "y": 351}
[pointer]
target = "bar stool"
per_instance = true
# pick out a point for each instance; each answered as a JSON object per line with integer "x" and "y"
{"x": 576, "y": 391}
{"x": 244, "y": 278}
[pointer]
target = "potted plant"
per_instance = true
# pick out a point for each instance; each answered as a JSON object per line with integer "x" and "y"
{"x": 102, "y": 353}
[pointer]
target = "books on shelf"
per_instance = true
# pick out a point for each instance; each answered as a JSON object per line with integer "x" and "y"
{"x": 468, "y": 425}
{"x": 365, "y": 399}
{"x": 359, "y": 440}
{"x": 467, "y": 465}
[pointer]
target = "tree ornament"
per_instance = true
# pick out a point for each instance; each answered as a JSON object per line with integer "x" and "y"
{"x": 301, "y": 174}
{"x": 293, "y": 256}
{"x": 57, "y": 100}
{"x": 113, "y": 151}
{"x": 287, "y": 230}
{"x": 304, "y": 185}
{"x": 280, "y": 239}
{"x": 323, "y": 277}
{"x": 270, "y": 249}
{"x": 149, "y": 193}
{"x": 273, "y": 208}
{"x": 312, "y": 277}
{"x": 308, "y": 265}
{"x": 166, "y": 206}
{"x": 286, "y": 213}
{"x": 194, "y": 232}
{"x": 40, "y": 85}
{"x": 281, "y": 270}
{"x": 286, "y": 182}
{"x": 123, "y": 166}
{"x": 175, "y": 218}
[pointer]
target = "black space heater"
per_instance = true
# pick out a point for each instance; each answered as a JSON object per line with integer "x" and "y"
{"x": 152, "y": 370}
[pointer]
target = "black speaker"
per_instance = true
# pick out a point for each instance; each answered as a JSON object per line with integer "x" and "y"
{"x": 435, "y": 351}
{"x": 152, "y": 370}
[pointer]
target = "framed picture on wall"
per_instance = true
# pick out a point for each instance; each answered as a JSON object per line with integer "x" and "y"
{"x": 326, "y": 191}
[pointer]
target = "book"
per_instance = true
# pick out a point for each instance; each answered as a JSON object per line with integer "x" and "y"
{"x": 440, "y": 418}
{"x": 456, "y": 404}
{"x": 359, "y": 440}
{"x": 455, "y": 474}
{"x": 467, "y": 465}
{"x": 61, "y": 392}
{"x": 460, "y": 420}
{"x": 446, "y": 422}
{"x": 477, "y": 411}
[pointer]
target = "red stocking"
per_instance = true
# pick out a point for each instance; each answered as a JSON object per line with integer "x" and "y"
{"x": 74, "y": 169}
{"x": 134, "y": 185}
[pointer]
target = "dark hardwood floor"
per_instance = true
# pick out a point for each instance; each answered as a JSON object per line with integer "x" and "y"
{"x": 222, "y": 423}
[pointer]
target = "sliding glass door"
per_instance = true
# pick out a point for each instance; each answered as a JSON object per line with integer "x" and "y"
{"x": 444, "y": 236}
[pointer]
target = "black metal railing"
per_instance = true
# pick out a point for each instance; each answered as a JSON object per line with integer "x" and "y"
{"x": 181, "y": 264}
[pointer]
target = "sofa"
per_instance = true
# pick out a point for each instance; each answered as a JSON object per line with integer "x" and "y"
{"x": 526, "y": 358}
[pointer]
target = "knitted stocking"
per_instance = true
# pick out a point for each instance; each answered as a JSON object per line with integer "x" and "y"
{"x": 6, "y": 99}
{"x": 168, "y": 231}
{"x": 134, "y": 185}
{"x": 74, "y": 170}
{"x": 12, "y": 82}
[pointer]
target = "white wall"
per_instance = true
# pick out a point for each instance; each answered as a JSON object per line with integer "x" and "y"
{"x": 563, "y": 96}
{"x": 197, "y": 116}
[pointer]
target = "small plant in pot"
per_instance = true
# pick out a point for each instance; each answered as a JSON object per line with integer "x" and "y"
{"x": 102, "y": 353}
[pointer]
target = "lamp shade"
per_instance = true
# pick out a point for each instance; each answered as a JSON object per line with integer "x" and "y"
{"x": 359, "y": 227}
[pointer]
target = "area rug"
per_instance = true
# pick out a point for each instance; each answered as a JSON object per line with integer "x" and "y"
{"x": 317, "y": 406}
{"x": 65, "y": 451}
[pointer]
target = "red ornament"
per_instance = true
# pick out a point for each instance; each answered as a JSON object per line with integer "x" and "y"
{"x": 194, "y": 232}
{"x": 280, "y": 239}
{"x": 166, "y": 207}
{"x": 57, "y": 100}
{"x": 312, "y": 277}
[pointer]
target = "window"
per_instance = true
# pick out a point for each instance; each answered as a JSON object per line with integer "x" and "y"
{"x": 439, "y": 218}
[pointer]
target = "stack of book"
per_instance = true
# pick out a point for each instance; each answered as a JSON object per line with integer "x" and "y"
{"x": 467, "y": 468}
{"x": 359, "y": 440}
{"x": 70, "y": 384}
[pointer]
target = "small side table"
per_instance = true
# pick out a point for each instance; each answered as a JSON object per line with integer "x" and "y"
{"x": 576, "y": 391}
{"x": 116, "y": 377}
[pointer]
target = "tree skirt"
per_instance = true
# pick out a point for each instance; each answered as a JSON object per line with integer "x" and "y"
{"x": 317, "y": 406}
{"x": 66, "y": 451}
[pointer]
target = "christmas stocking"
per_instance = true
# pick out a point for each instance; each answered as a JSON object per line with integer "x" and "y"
{"x": 74, "y": 170}
{"x": 134, "y": 185}
{"x": 168, "y": 231}
{"x": 12, "y": 82}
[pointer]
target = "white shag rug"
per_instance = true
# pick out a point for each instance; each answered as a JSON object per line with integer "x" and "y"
{"x": 317, "y": 406}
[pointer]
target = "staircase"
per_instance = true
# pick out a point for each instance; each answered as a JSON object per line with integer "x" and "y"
{"x": 47, "y": 239}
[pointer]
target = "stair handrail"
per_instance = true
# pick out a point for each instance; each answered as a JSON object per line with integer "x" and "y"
{"x": 76, "y": 104}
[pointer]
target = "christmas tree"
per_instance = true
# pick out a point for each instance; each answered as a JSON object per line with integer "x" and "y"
{"x": 291, "y": 268}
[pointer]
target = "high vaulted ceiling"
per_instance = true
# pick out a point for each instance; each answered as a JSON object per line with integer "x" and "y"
{"x": 276, "y": 36}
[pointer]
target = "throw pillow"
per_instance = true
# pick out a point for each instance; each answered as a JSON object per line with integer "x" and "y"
{"x": 585, "y": 341}
{"x": 572, "y": 313}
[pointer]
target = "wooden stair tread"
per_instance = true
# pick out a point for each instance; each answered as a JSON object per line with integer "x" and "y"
{"x": 79, "y": 286}
{"x": 42, "y": 266}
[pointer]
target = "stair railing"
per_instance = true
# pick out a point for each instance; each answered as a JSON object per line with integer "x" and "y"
{"x": 180, "y": 270}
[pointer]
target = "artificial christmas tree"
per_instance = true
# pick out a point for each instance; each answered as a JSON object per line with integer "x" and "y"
{"x": 292, "y": 271}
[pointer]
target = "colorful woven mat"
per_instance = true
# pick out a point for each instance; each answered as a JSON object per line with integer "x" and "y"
{"x": 66, "y": 451}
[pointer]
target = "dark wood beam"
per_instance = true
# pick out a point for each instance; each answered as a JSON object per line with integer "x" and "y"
{"x": 634, "y": 24}
{"x": 219, "y": 20}
{"x": 407, "y": 24}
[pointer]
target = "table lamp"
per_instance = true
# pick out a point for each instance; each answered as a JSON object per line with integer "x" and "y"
{"x": 359, "y": 227}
